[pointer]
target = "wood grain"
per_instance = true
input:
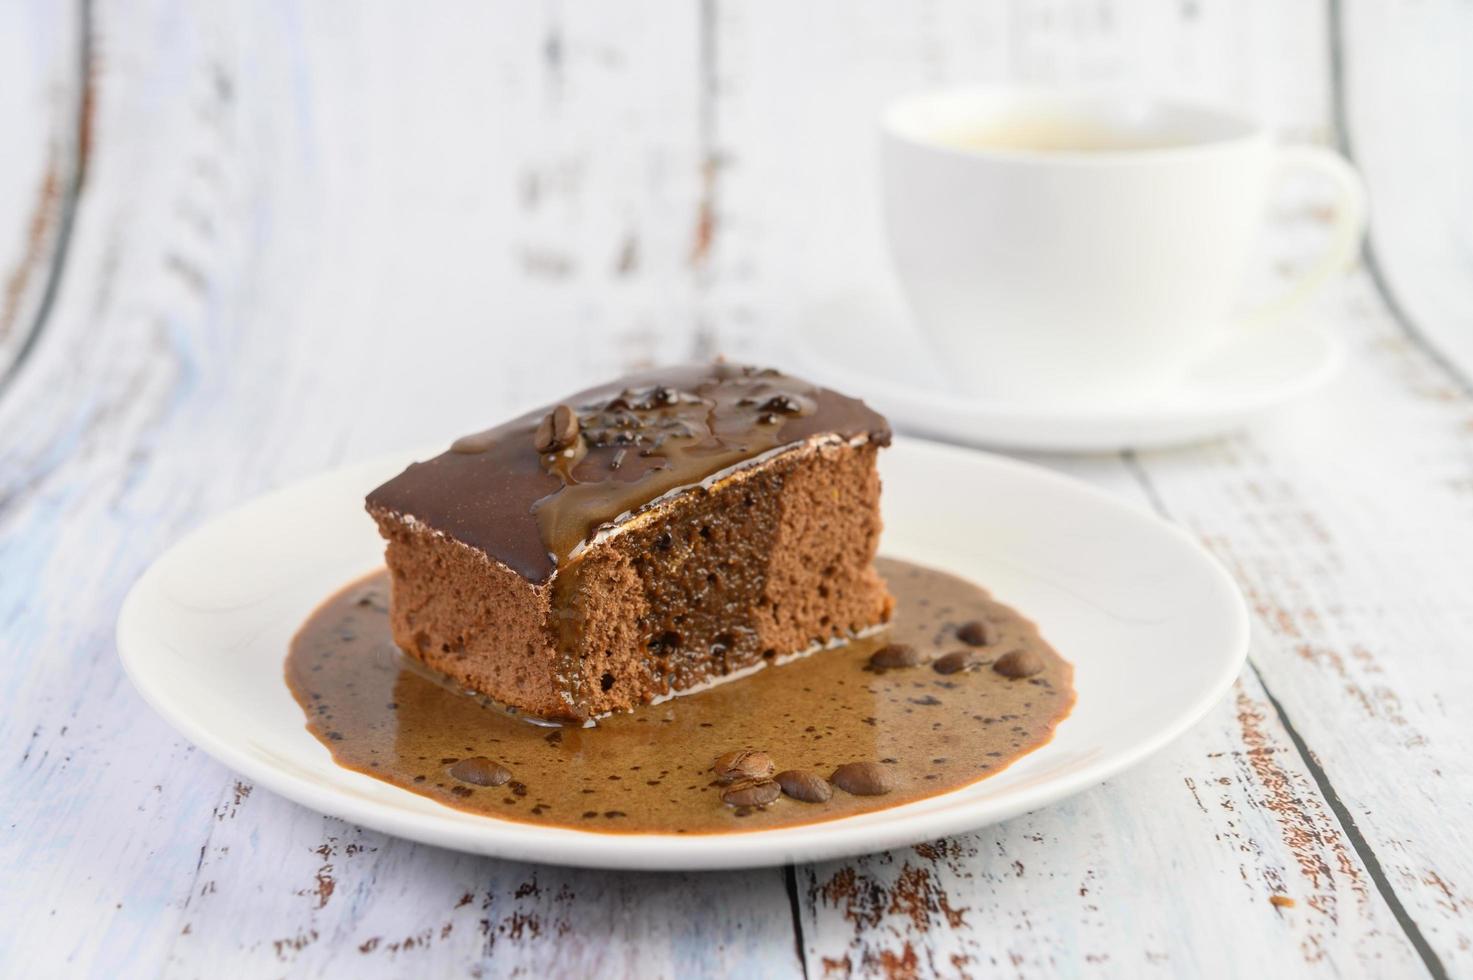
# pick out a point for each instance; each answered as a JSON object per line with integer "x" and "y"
{"x": 1101, "y": 883}
{"x": 292, "y": 213}
{"x": 1403, "y": 106}
{"x": 324, "y": 899}
{"x": 46, "y": 104}
{"x": 216, "y": 339}
{"x": 1401, "y": 895}
{"x": 1354, "y": 548}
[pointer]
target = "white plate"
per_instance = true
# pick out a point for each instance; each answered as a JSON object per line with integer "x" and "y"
{"x": 868, "y": 345}
{"x": 1156, "y": 630}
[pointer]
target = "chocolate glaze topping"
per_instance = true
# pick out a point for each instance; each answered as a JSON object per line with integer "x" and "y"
{"x": 628, "y": 443}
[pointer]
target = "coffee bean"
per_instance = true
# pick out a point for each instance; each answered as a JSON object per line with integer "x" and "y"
{"x": 543, "y": 439}
{"x": 894, "y": 655}
{"x": 863, "y": 779}
{"x": 564, "y": 425}
{"x": 782, "y": 404}
{"x": 557, "y": 430}
{"x": 480, "y": 771}
{"x": 955, "y": 662}
{"x": 978, "y": 633}
{"x": 803, "y": 785}
{"x": 744, "y": 764}
{"x": 1018, "y": 663}
{"x": 752, "y": 794}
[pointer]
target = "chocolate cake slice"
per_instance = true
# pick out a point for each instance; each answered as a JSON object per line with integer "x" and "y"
{"x": 643, "y": 538}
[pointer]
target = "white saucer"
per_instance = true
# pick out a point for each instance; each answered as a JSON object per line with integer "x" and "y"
{"x": 1156, "y": 629}
{"x": 868, "y": 347}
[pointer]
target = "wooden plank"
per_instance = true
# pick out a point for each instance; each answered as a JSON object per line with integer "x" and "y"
{"x": 1171, "y": 869}
{"x": 1351, "y": 530}
{"x": 1216, "y": 858}
{"x": 1405, "y": 84}
{"x": 316, "y": 897}
{"x": 799, "y": 229}
{"x": 44, "y": 102}
{"x": 1347, "y": 524}
{"x": 307, "y": 236}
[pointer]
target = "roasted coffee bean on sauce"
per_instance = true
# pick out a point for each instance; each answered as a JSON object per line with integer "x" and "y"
{"x": 863, "y": 779}
{"x": 894, "y": 655}
{"x": 804, "y": 785}
{"x": 1017, "y": 664}
{"x": 978, "y": 633}
{"x": 743, "y": 764}
{"x": 480, "y": 771}
{"x": 751, "y": 794}
{"x": 956, "y": 662}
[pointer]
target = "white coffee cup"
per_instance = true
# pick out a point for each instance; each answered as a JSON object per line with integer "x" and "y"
{"x": 1066, "y": 251}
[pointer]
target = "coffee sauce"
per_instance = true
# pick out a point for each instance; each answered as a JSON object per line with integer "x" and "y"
{"x": 649, "y": 771}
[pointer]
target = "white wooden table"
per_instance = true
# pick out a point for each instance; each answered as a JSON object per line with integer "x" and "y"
{"x": 241, "y": 242}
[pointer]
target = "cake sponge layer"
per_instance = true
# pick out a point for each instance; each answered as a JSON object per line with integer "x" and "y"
{"x": 769, "y": 559}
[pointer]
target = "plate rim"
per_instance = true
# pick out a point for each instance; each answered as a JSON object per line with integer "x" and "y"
{"x": 824, "y": 840}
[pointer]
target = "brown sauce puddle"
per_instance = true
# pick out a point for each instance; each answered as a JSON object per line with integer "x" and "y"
{"x": 649, "y": 771}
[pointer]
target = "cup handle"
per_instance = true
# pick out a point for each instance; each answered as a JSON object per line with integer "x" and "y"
{"x": 1350, "y": 225}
